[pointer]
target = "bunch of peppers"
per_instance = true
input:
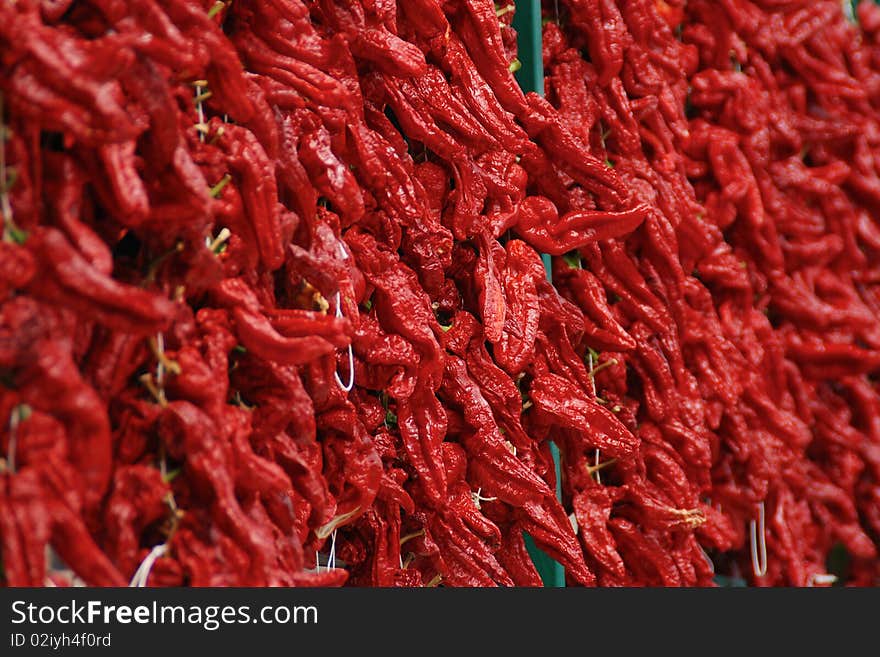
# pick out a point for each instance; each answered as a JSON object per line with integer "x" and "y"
{"x": 273, "y": 311}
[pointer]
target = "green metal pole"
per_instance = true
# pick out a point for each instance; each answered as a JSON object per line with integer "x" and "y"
{"x": 527, "y": 22}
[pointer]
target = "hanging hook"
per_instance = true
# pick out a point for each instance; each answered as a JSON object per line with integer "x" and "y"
{"x": 758, "y": 545}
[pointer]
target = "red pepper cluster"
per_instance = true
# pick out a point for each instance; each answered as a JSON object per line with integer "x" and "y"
{"x": 273, "y": 312}
{"x": 741, "y": 318}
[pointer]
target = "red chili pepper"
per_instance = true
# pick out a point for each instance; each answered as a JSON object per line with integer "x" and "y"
{"x": 479, "y": 30}
{"x": 490, "y": 294}
{"x": 258, "y": 335}
{"x": 540, "y": 225}
{"x": 138, "y": 499}
{"x": 422, "y": 424}
{"x": 518, "y": 280}
{"x": 516, "y": 560}
{"x": 251, "y": 166}
{"x": 328, "y": 174}
{"x": 602, "y": 22}
{"x": 72, "y": 281}
{"x": 52, "y": 383}
{"x": 492, "y": 462}
{"x": 17, "y": 267}
{"x": 551, "y": 529}
{"x": 572, "y": 409}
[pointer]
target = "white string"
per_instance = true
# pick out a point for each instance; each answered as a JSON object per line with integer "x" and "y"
{"x": 331, "y": 560}
{"x": 331, "y": 556}
{"x": 759, "y": 565}
{"x": 143, "y": 572}
{"x": 478, "y": 497}
{"x": 821, "y": 579}
{"x": 346, "y": 387}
